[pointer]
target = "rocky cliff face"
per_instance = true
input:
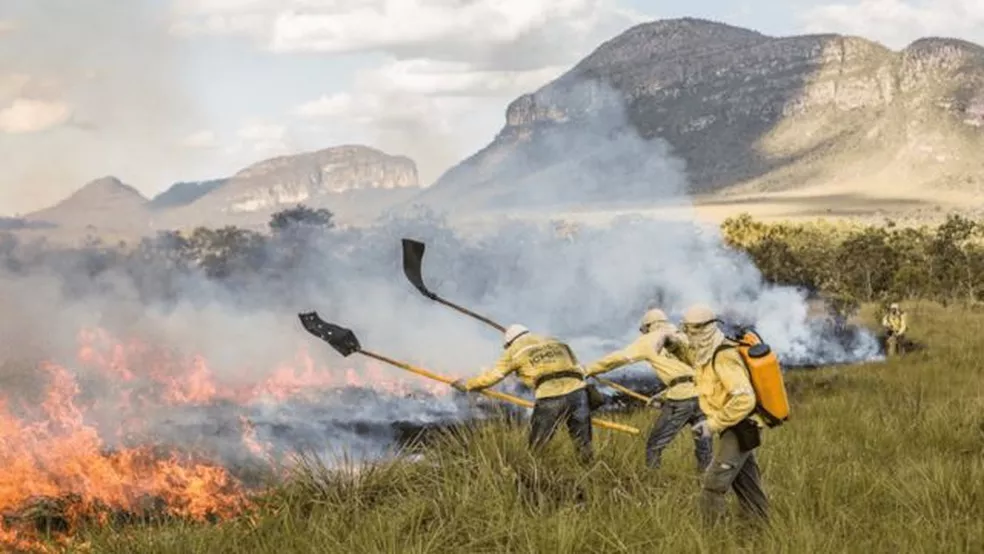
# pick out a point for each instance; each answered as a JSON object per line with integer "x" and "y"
{"x": 739, "y": 107}
{"x": 306, "y": 178}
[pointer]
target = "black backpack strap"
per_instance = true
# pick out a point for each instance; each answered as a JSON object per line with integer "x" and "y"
{"x": 570, "y": 374}
{"x": 679, "y": 380}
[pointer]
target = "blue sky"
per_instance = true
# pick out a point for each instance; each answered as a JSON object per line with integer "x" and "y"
{"x": 155, "y": 91}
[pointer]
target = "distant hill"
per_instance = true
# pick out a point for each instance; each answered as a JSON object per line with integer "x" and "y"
{"x": 745, "y": 113}
{"x": 352, "y": 181}
{"x": 107, "y": 203}
{"x": 812, "y": 125}
{"x": 184, "y": 193}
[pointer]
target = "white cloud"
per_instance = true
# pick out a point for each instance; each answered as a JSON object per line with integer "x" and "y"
{"x": 454, "y": 30}
{"x": 898, "y": 22}
{"x": 25, "y": 115}
{"x": 329, "y": 105}
{"x": 383, "y": 109}
{"x": 431, "y": 77}
{"x": 263, "y": 137}
{"x": 367, "y": 25}
{"x": 201, "y": 139}
{"x": 451, "y": 66}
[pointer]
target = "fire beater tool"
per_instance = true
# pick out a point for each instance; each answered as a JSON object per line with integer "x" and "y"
{"x": 346, "y": 343}
{"x": 413, "y": 261}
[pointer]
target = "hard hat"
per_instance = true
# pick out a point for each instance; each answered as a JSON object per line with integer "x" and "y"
{"x": 652, "y": 316}
{"x": 893, "y": 306}
{"x": 512, "y": 333}
{"x": 698, "y": 314}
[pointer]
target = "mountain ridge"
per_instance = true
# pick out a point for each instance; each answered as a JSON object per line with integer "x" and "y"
{"x": 750, "y": 113}
{"x": 681, "y": 108}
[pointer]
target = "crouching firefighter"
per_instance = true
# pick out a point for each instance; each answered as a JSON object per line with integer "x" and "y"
{"x": 663, "y": 346}
{"x": 550, "y": 369}
{"x": 726, "y": 372}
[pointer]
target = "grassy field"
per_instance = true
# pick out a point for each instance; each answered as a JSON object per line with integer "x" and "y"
{"x": 878, "y": 458}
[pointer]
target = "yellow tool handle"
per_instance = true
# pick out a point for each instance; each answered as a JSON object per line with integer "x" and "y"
{"x": 491, "y": 393}
{"x": 624, "y": 390}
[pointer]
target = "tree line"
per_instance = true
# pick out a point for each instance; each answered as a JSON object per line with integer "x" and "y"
{"x": 869, "y": 263}
{"x": 847, "y": 263}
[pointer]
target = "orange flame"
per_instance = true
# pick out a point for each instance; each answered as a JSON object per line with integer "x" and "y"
{"x": 61, "y": 455}
{"x": 52, "y": 452}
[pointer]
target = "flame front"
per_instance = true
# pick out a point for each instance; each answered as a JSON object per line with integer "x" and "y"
{"x": 54, "y": 454}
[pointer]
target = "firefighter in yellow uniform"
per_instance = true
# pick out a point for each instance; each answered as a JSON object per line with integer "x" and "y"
{"x": 663, "y": 346}
{"x": 895, "y": 325}
{"x": 728, "y": 400}
{"x": 550, "y": 368}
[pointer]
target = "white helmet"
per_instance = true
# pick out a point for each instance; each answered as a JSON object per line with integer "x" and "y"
{"x": 652, "y": 316}
{"x": 698, "y": 314}
{"x": 894, "y": 307}
{"x": 512, "y": 333}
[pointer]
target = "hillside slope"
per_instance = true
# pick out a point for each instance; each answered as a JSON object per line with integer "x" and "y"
{"x": 742, "y": 112}
{"x": 106, "y": 203}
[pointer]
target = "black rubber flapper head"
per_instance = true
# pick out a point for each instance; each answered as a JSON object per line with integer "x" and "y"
{"x": 341, "y": 339}
{"x": 413, "y": 261}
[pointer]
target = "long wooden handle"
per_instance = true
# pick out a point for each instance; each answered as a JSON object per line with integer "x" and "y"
{"x": 624, "y": 390}
{"x": 470, "y": 313}
{"x": 491, "y": 393}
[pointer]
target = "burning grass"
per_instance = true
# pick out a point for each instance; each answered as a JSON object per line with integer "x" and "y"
{"x": 884, "y": 458}
{"x": 879, "y": 458}
{"x": 128, "y": 434}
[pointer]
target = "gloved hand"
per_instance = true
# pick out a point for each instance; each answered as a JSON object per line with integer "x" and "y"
{"x": 459, "y": 385}
{"x": 655, "y": 402}
{"x": 701, "y": 429}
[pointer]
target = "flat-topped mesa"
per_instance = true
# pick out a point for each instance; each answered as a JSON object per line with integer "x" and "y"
{"x": 299, "y": 178}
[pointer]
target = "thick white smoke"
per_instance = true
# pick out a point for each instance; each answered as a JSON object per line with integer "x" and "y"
{"x": 589, "y": 289}
{"x": 595, "y": 286}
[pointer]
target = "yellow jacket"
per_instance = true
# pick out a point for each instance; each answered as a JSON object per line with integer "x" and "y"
{"x": 896, "y": 323}
{"x": 532, "y": 356}
{"x": 651, "y": 348}
{"x": 725, "y": 391}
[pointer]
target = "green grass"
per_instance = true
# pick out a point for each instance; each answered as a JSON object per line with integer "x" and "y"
{"x": 877, "y": 458}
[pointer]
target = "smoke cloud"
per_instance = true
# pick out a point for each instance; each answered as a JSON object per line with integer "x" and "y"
{"x": 589, "y": 289}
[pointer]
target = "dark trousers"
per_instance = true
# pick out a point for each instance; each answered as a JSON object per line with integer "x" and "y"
{"x": 570, "y": 409}
{"x": 737, "y": 470}
{"x": 673, "y": 416}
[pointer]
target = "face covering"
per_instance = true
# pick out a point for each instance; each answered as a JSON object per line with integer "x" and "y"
{"x": 704, "y": 340}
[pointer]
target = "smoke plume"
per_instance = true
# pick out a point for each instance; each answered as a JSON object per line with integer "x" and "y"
{"x": 589, "y": 288}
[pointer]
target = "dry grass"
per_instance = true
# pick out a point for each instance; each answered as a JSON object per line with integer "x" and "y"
{"x": 878, "y": 458}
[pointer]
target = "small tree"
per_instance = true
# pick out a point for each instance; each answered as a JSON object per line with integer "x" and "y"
{"x": 301, "y": 216}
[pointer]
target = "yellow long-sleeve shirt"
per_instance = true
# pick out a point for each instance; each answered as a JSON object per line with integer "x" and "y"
{"x": 725, "y": 391}
{"x": 651, "y": 348}
{"x": 531, "y": 357}
{"x": 896, "y": 323}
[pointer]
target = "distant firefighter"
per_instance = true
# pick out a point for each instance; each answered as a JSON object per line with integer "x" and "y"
{"x": 895, "y": 325}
